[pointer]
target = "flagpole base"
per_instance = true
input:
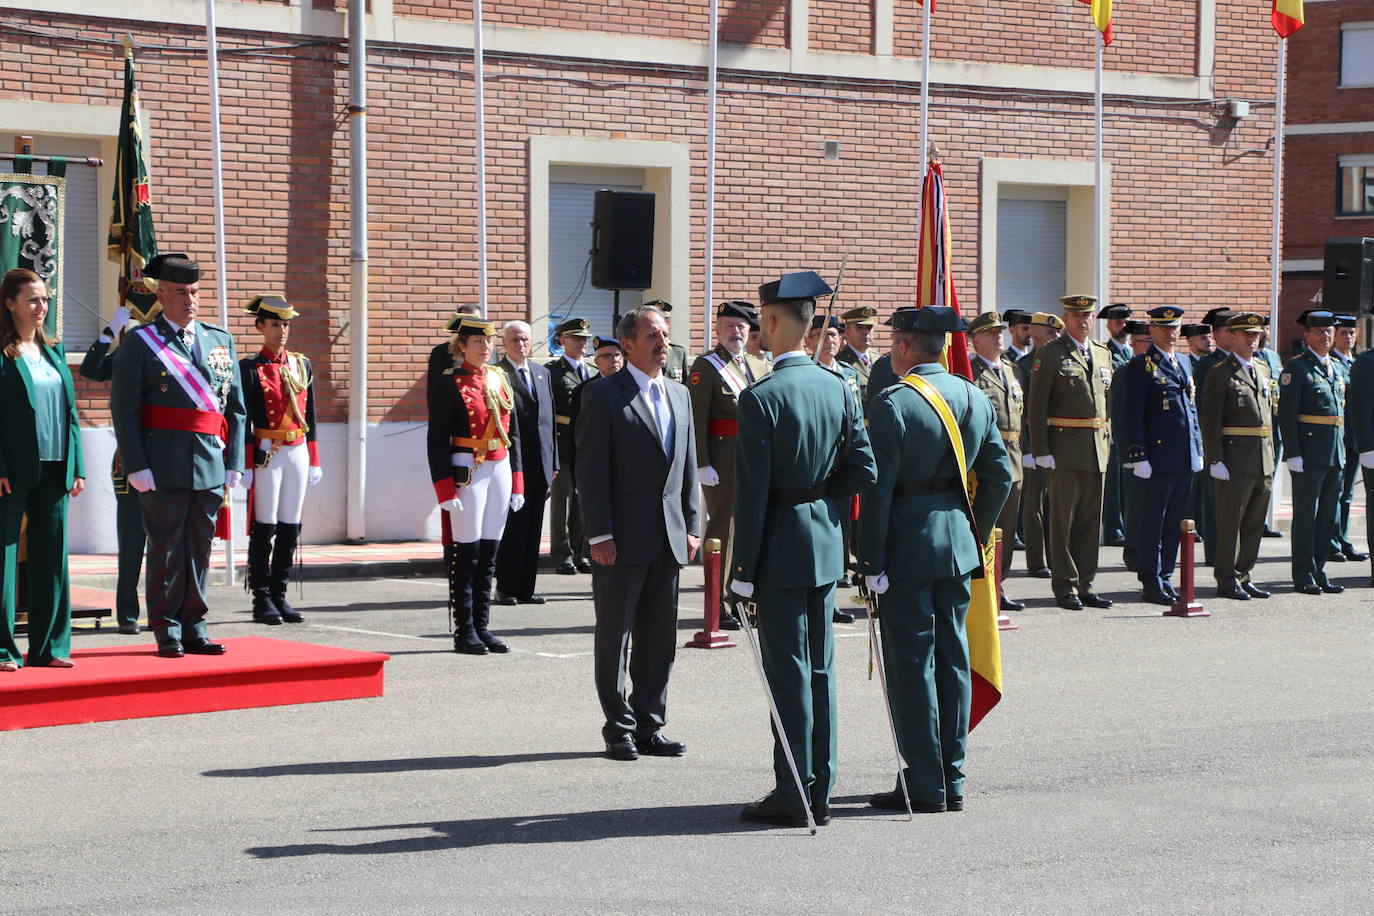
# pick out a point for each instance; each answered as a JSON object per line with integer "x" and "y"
{"x": 1004, "y": 623}
{"x": 1187, "y": 609}
{"x": 705, "y": 640}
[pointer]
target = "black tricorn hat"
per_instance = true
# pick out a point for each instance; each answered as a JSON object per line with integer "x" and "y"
{"x": 929, "y": 318}
{"x": 802, "y": 284}
{"x": 173, "y": 268}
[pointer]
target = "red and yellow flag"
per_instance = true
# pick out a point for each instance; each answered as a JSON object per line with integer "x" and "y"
{"x": 1286, "y": 16}
{"x": 1101, "y": 11}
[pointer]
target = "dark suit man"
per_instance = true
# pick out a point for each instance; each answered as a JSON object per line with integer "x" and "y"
{"x": 636, "y": 451}
{"x": 517, "y": 559}
{"x": 1113, "y": 506}
{"x": 178, "y": 415}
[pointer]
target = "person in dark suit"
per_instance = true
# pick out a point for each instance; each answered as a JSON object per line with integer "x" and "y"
{"x": 177, "y": 406}
{"x": 40, "y": 466}
{"x": 636, "y": 450}
{"x": 517, "y": 559}
{"x": 1116, "y": 316}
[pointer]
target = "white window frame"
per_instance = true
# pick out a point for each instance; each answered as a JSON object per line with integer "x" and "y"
{"x": 1363, "y": 28}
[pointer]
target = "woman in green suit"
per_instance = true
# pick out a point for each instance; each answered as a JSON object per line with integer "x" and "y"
{"x": 40, "y": 466}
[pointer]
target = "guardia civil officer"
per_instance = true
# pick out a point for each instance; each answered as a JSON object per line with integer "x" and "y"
{"x": 1116, "y": 316}
{"x": 1311, "y": 395}
{"x": 919, "y": 544}
{"x": 802, "y": 453}
{"x": 1342, "y": 359}
{"x": 995, "y": 376}
{"x": 177, "y": 407}
{"x": 824, "y": 341}
{"x": 566, "y": 373}
{"x": 1067, "y": 415}
{"x": 1237, "y": 419}
{"x": 1043, "y": 328}
{"x": 281, "y": 454}
{"x": 1164, "y": 449}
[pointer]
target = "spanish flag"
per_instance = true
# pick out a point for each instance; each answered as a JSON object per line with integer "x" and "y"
{"x": 1286, "y": 16}
{"x": 1102, "y": 16}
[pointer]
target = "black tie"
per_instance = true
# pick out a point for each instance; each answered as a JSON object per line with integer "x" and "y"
{"x": 526, "y": 377}
{"x": 581, "y": 372}
{"x": 1254, "y": 379}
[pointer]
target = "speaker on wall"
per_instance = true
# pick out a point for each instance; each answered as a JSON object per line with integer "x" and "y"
{"x": 1348, "y": 276}
{"x": 623, "y": 240}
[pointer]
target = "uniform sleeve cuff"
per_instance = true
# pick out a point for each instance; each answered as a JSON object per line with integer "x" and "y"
{"x": 517, "y": 482}
{"x": 314, "y": 449}
{"x": 445, "y": 489}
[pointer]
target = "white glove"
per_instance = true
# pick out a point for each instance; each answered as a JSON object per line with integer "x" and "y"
{"x": 247, "y": 479}
{"x": 1295, "y": 464}
{"x": 1219, "y": 471}
{"x": 118, "y": 320}
{"x": 1142, "y": 470}
{"x": 314, "y": 475}
{"x": 1045, "y": 461}
{"x": 1027, "y": 461}
{"x": 877, "y": 584}
{"x": 1197, "y": 464}
{"x": 708, "y": 476}
{"x": 517, "y": 502}
{"x": 1367, "y": 459}
{"x": 233, "y": 479}
{"x": 142, "y": 481}
{"x": 743, "y": 589}
{"x": 452, "y": 505}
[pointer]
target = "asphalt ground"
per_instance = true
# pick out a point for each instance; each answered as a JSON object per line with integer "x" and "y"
{"x": 1138, "y": 764}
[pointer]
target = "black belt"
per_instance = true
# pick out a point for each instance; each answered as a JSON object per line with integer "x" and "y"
{"x": 927, "y": 487}
{"x": 798, "y": 496}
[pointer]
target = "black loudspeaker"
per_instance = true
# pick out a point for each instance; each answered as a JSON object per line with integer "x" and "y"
{"x": 1348, "y": 277}
{"x": 623, "y": 240}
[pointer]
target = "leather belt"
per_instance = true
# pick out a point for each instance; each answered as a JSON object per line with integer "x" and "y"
{"x": 1257, "y": 431}
{"x": 927, "y": 487}
{"x": 1009, "y": 436}
{"x": 1078, "y": 422}
{"x": 797, "y": 496}
{"x": 1320, "y": 420}
{"x": 722, "y": 427}
{"x": 289, "y": 436}
{"x": 481, "y": 445}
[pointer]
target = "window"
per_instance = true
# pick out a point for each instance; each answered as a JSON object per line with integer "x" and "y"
{"x": 1357, "y": 54}
{"x": 1356, "y": 186}
{"x": 1032, "y": 238}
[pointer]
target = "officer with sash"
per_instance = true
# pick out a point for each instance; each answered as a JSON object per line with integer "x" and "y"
{"x": 1163, "y": 448}
{"x": 1311, "y": 395}
{"x": 1115, "y": 315}
{"x": 921, "y": 539}
{"x": 995, "y": 376}
{"x": 177, "y": 406}
{"x": 566, "y": 373}
{"x": 1237, "y": 418}
{"x": 676, "y": 369}
{"x": 802, "y": 454}
{"x": 1343, "y": 358}
{"x": 1043, "y": 328}
{"x": 858, "y": 330}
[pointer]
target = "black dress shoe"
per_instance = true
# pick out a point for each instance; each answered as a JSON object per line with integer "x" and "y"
{"x": 658, "y": 746}
{"x": 1117, "y": 541}
{"x": 1070, "y": 603}
{"x": 1009, "y": 605}
{"x": 954, "y": 803}
{"x": 271, "y": 620}
{"x": 622, "y": 747}
{"x": 1093, "y": 599}
{"x": 291, "y": 616}
{"x": 1272, "y": 533}
{"x": 1018, "y": 543}
{"x": 729, "y": 622}
{"x": 1152, "y": 597}
{"x": 772, "y": 809}
{"x": 129, "y": 629}
{"x": 1330, "y": 588}
{"x": 1354, "y": 555}
{"x": 893, "y": 801}
{"x": 584, "y": 566}
{"x": 1169, "y": 590}
{"x": 470, "y": 648}
{"x": 204, "y": 647}
{"x": 1235, "y": 594}
{"x": 170, "y": 649}
{"x": 845, "y": 582}
{"x": 839, "y": 616}
{"x": 1336, "y": 557}
{"x": 505, "y": 600}
{"x": 493, "y": 643}
{"x": 1253, "y": 591}
{"x": 1311, "y": 588}
{"x": 566, "y": 568}
{"x": 530, "y": 599}
{"x": 820, "y": 813}
{"x": 1042, "y": 572}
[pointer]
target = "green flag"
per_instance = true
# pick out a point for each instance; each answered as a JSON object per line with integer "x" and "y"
{"x": 132, "y": 241}
{"x": 31, "y": 222}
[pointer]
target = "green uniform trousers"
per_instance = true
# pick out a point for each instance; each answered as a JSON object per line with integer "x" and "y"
{"x": 132, "y": 540}
{"x": 1113, "y": 497}
{"x": 797, "y": 640}
{"x": 1007, "y": 522}
{"x": 1075, "y": 519}
{"x": 1242, "y": 503}
{"x": 720, "y": 518}
{"x": 1205, "y": 502}
{"x": 925, "y": 651}
{"x": 568, "y": 545}
{"x": 1315, "y": 495}
{"x": 1034, "y": 503}
{"x": 49, "y": 592}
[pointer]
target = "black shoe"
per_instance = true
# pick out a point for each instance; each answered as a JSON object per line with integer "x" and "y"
{"x": 505, "y": 600}
{"x": 1169, "y": 590}
{"x": 1017, "y": 543}
{"x": 1309, "y": 589}
{"x": 820, "y": 813}
{"x": 771, "y": 809}
{"x": 1070, "y": 603}
{"x": 845, "y": 582}
{"x": 1117, "y": 541}
{"x": 658, "y": 746}
{"x": 729, "y": 622}
{"x": 1330, "y": 588}
{"x": 566, "y": 568}
{"x": 1093, "y": 599}
{"x": 1272, "y": 532}
{"x": 954, "y": 803}
{"x": 530, "y": 599}
{"x": 893, "y": 801}
{"x": 622, "y": 748}
{"x": 1042, "y": 572}
{"x": 469, "y": 648}
{"x": 291, "y": 615}
{"x": 584, "y": 566}
{"x": 1354, "y": 555}
{"x": 1254, "y": 592}
{"x": 1234, "y": 593}
{"x": 1336, "y": 557}
{"x": 1153, "y": 597}
{"x": 204, "y": 647}
{"x": 272, "y": 620}
{"x": 839, "y": 616}
{"x": 1010, "y": 605}
{"x": 170, "y": 649}
{"x": 129, "y": 629}
{"x": 493, "y": 643}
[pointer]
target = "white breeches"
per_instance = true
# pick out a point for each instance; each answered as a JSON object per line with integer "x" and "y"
{"x": 279, "y": 488}
{"x": 486, "y": 501}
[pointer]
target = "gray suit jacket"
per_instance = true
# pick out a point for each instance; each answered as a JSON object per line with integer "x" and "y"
{"x": 622, "y": 471}
{"x": 535, "y": 416}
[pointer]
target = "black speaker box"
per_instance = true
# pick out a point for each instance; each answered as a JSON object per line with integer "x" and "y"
{"x": 623, "y": 240}
{"x": 1348, "y": 276}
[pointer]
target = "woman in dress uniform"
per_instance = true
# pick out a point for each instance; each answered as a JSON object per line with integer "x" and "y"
{"x": 474, "y": 460}
{"x": 280, "y": 402}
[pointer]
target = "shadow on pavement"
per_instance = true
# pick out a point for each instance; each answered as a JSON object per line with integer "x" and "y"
{"x": 401, "y": 765}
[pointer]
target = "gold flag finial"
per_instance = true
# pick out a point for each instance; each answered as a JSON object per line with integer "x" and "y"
{"x": 128, "y": 43}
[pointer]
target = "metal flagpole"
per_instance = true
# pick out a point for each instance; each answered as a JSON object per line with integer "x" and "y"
{"x": 1281, "y": 68}
{"x": 709, "y": 285}
{"x": 479, "y": 81}
{"x": 221, "y": 271}
{"x": 356, "y": 513}
{"x": 1100, "y": 267}
{"x": 923, "y": 157}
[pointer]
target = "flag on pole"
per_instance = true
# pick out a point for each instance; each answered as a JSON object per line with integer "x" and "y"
{"x": 1101, "y": 11}
{"x": 132, "y": 242}
{"x": 1286, "y": 16}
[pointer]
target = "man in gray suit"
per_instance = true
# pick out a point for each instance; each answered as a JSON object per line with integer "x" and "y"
{"x": 635, "y": 450}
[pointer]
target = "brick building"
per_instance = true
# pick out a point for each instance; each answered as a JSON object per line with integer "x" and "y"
{"x": 1328, "y": 166}
{"x": 818, "y": 157}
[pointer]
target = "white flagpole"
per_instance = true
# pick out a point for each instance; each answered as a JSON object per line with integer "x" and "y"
{"x": 217, "y": 170}
{"x": 1099, "y": 248}
{"x": 709, "y": 285}
{"x": 478, "y": 66}
{"x": 924, "y": 155}
{"x": 1281, "y": 68}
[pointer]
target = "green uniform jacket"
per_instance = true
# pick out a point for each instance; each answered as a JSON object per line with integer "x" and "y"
{"x": 676, "y": 369}
{"x": 1230, "y": 399}
{"x": 564, "y": 381}
{"x": 1343, "y": 367}
{"x": 1304, "y": 388}
{"x": 19, "y": 443}
{"x": 1062, "y": 386}
{"x": 880, "y": 376}
{"x": 851, "y": 378}
{"x": 714, "y": 399}
{"x": 927, "y": 536}
{"x": 1008, "y": 402}
{"x": 792, "y": 426}
{"x": 862, "y": 370}
{"x": 178, "y": 459}
{"x": 1360, "y": 411}
{"x": 1117, "y": 410}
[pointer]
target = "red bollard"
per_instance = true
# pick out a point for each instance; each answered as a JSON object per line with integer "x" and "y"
{"x": 711, "y": 636}
{"x": 1003, "y": 621}
{"x": 1186, "y": 605}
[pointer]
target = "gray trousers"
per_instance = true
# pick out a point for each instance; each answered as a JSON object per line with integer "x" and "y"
{"x": 565, "y": 521}
{"x": 180, "y": 526}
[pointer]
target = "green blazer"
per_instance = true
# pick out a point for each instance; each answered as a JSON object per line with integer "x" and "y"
{"x": 1231, "y": 399}
{"x": 19, "y": 444}
{"x": 1304, "y": 389}
{"x": 921, "y": 537}
{"x": 178, "y": 459}
{"x": 791, "y": 425}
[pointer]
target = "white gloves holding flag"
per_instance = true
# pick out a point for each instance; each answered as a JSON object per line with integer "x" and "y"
{"x": 118, "y": 321}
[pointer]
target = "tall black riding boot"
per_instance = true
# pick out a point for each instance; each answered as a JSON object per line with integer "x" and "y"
{"x": 481, "y": 595}
{"x": 265, "y": 610}
{"x": 462, "y": 565}
{"x": 283, "y": 555}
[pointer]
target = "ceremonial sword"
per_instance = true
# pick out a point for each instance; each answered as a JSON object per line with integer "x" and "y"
{"x": 830, "y": 305}
{"x": 870, "y": 600}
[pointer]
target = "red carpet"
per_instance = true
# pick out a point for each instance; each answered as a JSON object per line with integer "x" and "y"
{"x": 132, "y": 682}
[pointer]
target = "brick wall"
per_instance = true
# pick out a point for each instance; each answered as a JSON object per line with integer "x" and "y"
{"x": 1314, "y": 53}
{"x": 842, "y": 25}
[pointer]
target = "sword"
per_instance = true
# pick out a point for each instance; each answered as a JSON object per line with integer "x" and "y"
{"x": 830, "y": 305}
{"x": 747, "y": 620}
{"x": 870, "y": 600}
